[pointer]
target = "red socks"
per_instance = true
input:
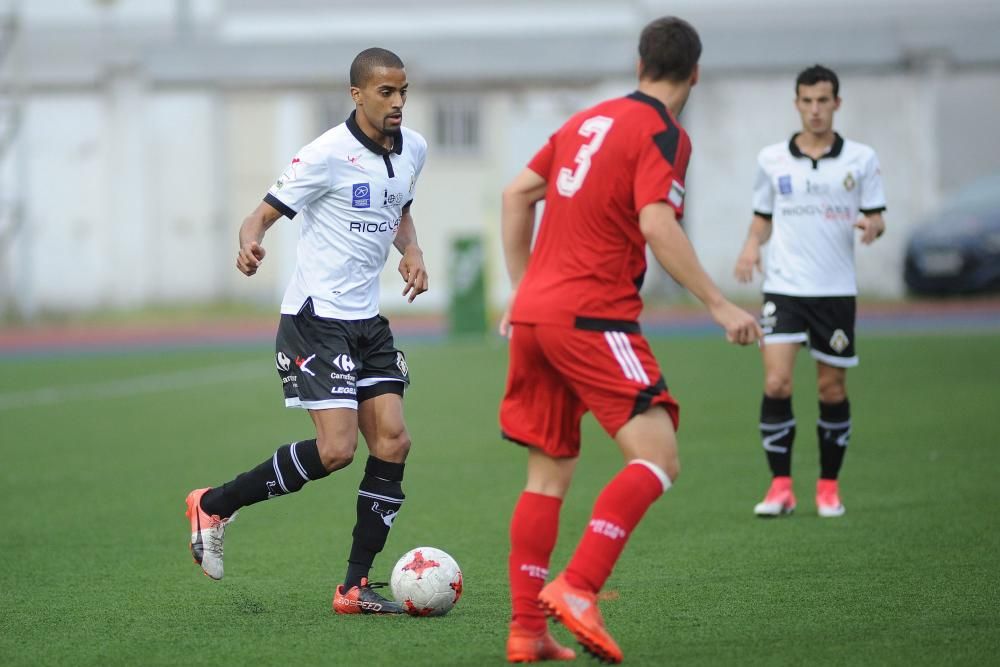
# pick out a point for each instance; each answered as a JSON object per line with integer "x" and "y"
{"x": 535, "y": 525}
{"x": 617, "y": 511}
{"x": 533, "y": 530}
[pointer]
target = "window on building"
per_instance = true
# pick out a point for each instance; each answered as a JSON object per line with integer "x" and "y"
{"x": 457, "y": 124}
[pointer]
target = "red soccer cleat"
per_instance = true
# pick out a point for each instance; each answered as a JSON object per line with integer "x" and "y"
{"x": 577, "y": 610}
{"x": 527, "y": 646}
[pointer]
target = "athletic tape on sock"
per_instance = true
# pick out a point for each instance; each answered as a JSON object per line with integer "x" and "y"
{"x": 656, "y": 470}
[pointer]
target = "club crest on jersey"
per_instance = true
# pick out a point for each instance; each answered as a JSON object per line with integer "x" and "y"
{"x": 785, "y": 184}
{"x": 849, "y": 182}
{"x": 839, "y": 341}
{"x": 361, "y": 195}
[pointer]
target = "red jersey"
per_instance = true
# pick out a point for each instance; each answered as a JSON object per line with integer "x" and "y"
{"x": 603, "y": 166}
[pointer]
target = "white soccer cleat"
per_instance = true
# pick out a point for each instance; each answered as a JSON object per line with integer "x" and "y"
{"x": 207, "y": 533}
{"x": 779, "y": 499}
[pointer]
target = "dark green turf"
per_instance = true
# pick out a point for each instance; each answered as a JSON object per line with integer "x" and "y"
{"x": 95, "y": 568}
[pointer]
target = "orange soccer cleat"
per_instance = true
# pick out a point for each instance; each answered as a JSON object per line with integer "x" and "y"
{"x": 577, "y": 610}
{"x": 527, "y": 646}
{"x": 779, "y": 499}
{"x": 207, "y": 533}
{"x": 363, "y": 600}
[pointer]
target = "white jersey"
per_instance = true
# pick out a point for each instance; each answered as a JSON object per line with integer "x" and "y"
{"x": 813, "y": 206}
{"x": 349, "y": 193}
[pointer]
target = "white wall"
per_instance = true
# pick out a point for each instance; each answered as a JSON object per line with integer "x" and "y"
{"x": 60, "y": 260}
{"x": 134, "y": 194}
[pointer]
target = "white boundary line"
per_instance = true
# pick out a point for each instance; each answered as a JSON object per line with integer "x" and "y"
{"x": 143, "y": 384}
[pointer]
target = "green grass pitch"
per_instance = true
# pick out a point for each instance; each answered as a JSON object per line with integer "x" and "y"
{"x": 99, "y": 451}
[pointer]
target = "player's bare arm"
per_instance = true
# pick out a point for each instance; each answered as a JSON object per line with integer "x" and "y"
{"x": 673, "y": 250}
{"x": 872, "y": 226}
{"x": 760, "y": 232}
{"x": 252, "y": 232}
{"x": 517, "y": 222}
{"x": 411, "y": 266}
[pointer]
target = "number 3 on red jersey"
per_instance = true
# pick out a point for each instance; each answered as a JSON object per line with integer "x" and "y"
{"x": 570, "y": 180}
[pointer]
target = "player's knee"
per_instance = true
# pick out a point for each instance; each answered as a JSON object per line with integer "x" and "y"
{"x": 832, "y": 390}
{"x": 394, "y": 446}
{"x": 336, "y": 452}
{"x": 778, "y": 385}
{"x": 673, "y": 469}
{"x": 672, "y": 465}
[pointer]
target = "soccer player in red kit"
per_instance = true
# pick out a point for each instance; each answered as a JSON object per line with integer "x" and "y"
{"x": 612, "y": 179}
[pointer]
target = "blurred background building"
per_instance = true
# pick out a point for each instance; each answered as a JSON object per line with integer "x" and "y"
{"x": 136, "y": 134}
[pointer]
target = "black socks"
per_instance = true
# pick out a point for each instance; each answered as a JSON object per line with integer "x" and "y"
{"x": 777, "y": 433}
{"x": 285, "y": 472}
{"x": 380, "y": 497}
{"x": 834, "y": 430}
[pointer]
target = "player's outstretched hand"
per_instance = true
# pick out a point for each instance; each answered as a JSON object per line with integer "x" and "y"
{"x": 412, "y": 268}
{"x": 250, "y": 257}
{"x": 871, "y": 228}
{"x": 741, "y": 327}
{"x": 748, "y": 260}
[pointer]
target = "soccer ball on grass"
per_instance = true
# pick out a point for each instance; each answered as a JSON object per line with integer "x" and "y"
{"x": 427, "y": 581}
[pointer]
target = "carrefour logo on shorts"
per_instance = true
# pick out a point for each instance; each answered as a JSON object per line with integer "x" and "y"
{"x": 361, "y": 195}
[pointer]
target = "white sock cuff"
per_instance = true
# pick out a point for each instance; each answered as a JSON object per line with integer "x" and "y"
{"x": 656, "y": 470}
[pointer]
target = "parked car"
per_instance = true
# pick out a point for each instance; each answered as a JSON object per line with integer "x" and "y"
{"x": 958, "y": 250}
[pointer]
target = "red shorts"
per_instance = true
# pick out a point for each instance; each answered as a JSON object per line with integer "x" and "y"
{"x": 556, "y": 374}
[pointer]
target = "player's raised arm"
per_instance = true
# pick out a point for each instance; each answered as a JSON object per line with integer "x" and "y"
{"x": 252, "y": 231}
{"x": 411, "y": 266}
{"x": 672, "y": 249}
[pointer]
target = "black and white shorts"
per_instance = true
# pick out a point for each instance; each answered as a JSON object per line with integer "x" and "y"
{"x": 824, "y": 323}
{"x": 326, "y": 363}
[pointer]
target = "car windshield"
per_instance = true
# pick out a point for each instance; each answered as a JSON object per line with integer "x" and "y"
{"x": 980, "y": 196}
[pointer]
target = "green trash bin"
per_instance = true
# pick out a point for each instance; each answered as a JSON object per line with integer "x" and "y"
{"x": 467, "y": 309}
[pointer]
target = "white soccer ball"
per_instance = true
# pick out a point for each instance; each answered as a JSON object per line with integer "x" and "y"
{"x": 427, "y": 581}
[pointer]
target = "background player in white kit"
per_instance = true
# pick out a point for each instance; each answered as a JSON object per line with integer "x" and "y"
{"x": 810, "y": 195}
{"x": 351, "y": 190}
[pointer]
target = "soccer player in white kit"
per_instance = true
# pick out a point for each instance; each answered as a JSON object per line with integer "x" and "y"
{"x": 350, "y": 190}
{"x": 811, "y": 194}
